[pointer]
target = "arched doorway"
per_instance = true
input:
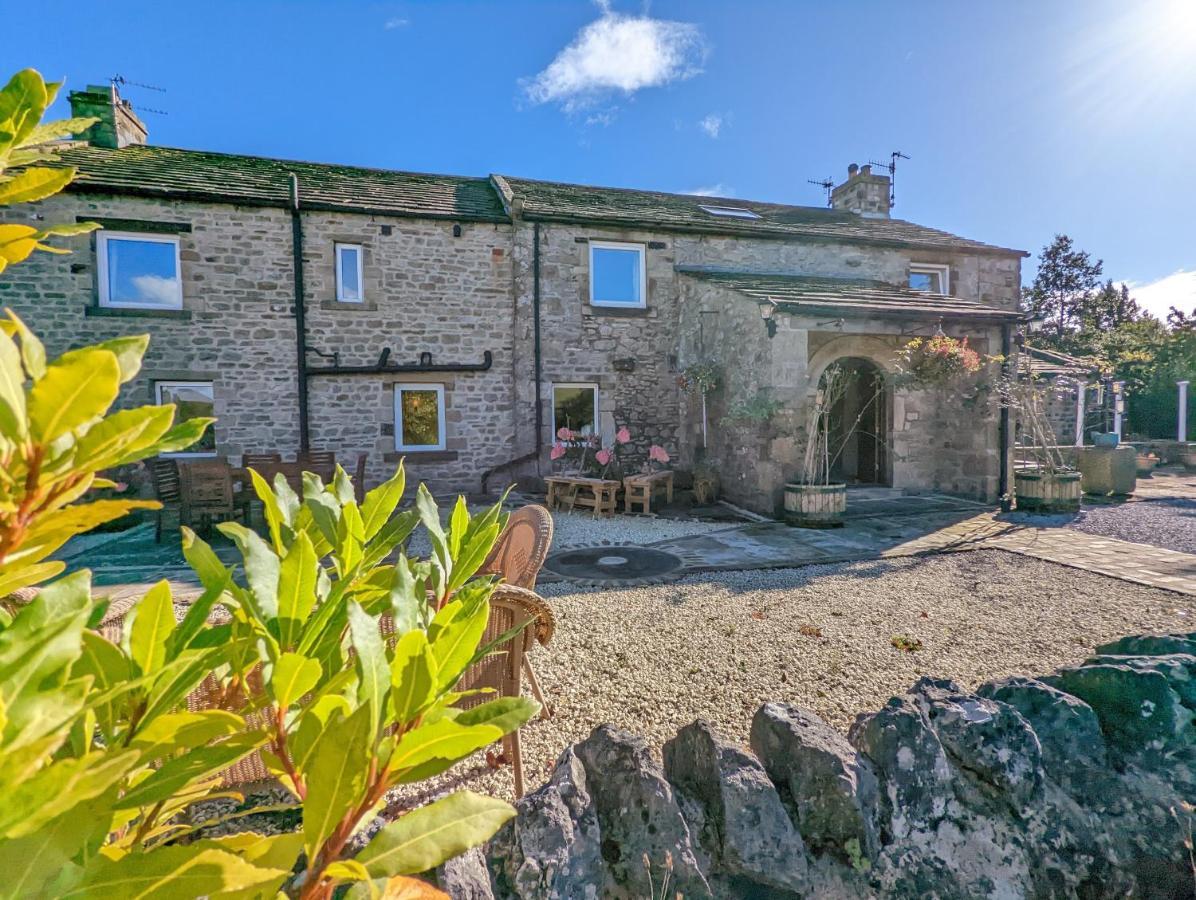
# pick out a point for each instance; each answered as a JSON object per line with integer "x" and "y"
{"x": 859, "y": 424}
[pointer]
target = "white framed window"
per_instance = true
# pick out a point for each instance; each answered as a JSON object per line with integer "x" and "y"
{"x": 730, "y": 212}
{"x": 350, "y": 287}
{"x": 138, "y": 271}
{"x": 575, "y": 406}
{"x": 192, "y": 399}
{"x": 618, "y": 275}
{"x": 419, "y": 416}
{"x": 928, "y": 278}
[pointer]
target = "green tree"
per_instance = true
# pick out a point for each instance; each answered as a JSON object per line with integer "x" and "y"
{"x": 1108, "y": 308}
{"x": 1064, "y": 284}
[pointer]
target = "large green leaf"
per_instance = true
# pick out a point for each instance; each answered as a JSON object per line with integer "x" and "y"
{"x": 169, "y": 733}
{"x": 79, "y": 387}
{"x": 129, "y": 351}
{"x": 475, "y": 547}
{"x": 297, "y": 579}
{"x": 203, "y": 560}
{"x": 12, "y": 390}
{"x": 34, "y": 184}
{"x": 426, "y": 837}
{"x": 107, "y": 666}
{"x": 150, "y": 624}
{"x": 443, "y": 739}
{"x": 170, "y": 873}
{"x": 505, "y": 713}
{"x": 413, "y": 676}
{"x": 198, "y": 764}
{"x": 22, "y": 102}
{"x": 389, "y": 536}
{"x": 335, "y": 773}
{"x": 118, "y": 438}
{"x": 45, "y": 638}
{"x": 455, "y": 633}
{"x": 381, "y": 502}
{"x": 291, "y": 677}
{"x": 372, "y": 669}
{"x": 33, "y": 352}
{"x": 31, "y": 864}
{"x": 261, "y": 567}
{"x": 60, "y": 787}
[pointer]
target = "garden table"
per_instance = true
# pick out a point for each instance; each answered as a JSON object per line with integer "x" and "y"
{"x": 639, "y": 489}
{"x": 569, "y": 491}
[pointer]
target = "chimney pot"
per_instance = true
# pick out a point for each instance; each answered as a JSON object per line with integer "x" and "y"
{"x": 852, "y": 169}
{"x": 866, "y": 170}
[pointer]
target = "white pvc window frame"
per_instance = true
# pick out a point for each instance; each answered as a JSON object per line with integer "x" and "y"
{"x": 642, "y": 250}
{"x": 104, "y": 286}
{"x": 401, "y": 388}
{"x": 577, "y": 385}
{"x": 342, "y": 295}
{"x": 169, "y": 383}
{"x": 942, "y": 271}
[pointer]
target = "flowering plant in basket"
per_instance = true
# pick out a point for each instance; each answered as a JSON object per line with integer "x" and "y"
{"x": 938, "y": 359}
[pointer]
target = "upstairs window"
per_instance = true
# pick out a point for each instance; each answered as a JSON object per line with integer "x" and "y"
{"x": 930, "y": 279}
{"x": 730, "y": 212}
{"x": 138, "y": 271}
{"x": 574, "y": 406}
{"x": 191, "y": 399}
{"x": 349, "y": 285}
{"x": 419, "y": 417}
{"x": 617, "y": 275}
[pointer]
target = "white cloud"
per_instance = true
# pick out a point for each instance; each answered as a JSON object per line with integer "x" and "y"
{"x": 157, "y": 289}
{"x": 396, "y": 22}
{"x": 712, "y": 124}
{"x": 1157, "y": 297}
{"x": 618, "y": 54}
{"x": 714, "y": 190}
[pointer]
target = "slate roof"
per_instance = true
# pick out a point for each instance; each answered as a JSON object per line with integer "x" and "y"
{"x": 1053, "y": 364}
{"x": 555, "y": 202}
{"x": 150, "y": 171}
{"x": 849, "y": 297}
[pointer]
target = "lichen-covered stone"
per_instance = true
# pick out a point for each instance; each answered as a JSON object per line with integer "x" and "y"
{"x": 744, "y": 827}
{"x": 1150, "y": 645}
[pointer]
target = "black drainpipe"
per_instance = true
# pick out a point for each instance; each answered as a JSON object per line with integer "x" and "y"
{"x": 1003, "y": 428}
{"x": 536, "y": 337}
{"x": 300, "y": 322}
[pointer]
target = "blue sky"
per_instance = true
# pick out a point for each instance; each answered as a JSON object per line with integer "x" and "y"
{"x": 1022, "y": 118}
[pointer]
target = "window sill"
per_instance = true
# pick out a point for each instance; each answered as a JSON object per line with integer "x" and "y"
{"x": 132, "y": 312}
{"x": 349, "y": 305}
{"x": 619, "y": 312}
{"x": 420, "y": 456}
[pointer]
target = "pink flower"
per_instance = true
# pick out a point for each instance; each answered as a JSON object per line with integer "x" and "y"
{"x": 656, "y": 453}
{"x": 120, "y": 487}
{"x": 564, "y": 433}
{"x": 558, "y": 450}
{"x": 603, "y": 457}
{"x": 623, "y": 435}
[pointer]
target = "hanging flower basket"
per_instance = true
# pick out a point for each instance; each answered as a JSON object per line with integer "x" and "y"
{"x": 938, "y": 360}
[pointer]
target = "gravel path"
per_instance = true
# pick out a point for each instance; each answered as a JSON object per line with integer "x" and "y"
{"x": 1164, "y": 523}
{"x": 653, "y": 659}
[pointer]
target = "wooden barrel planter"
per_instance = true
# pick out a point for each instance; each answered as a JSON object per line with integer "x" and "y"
{"x": 1047, "y": 492}
{"x": 815, "y": 505}
{"x": 1146, "y": 464}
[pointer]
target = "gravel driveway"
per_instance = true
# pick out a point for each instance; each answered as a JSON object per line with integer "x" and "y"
{"x": 652, "y": 659}
{"x": 1164, "y": 523}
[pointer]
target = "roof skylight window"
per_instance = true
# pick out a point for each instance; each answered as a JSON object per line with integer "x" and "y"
{"x": 730, "y": 212}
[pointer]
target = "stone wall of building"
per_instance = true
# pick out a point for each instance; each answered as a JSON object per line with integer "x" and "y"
{"x": 426, "y": 291}
{"x": 1076, "y": 784}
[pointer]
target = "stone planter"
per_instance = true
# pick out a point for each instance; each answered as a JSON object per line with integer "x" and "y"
{"x": 1187, "y": 456}
{"x": 815, "y": 505}
{"x": 1145, "y": 465}
{"x": 1108, "y": 470}
{"x": 1047, "y": 492}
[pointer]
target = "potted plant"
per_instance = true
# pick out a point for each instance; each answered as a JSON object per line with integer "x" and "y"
{"x": 1046, "y": 483}
{"x": 706, "y": 484}
{"x": 703, "y": 378}
{"x": 1146, "y": 463}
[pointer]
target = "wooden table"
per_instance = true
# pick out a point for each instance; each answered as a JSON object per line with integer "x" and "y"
{"x": 639, "y": 489}
{"x": 570, "y": 491}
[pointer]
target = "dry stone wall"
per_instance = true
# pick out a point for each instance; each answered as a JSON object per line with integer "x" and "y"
{"x": 1069, "y": 785}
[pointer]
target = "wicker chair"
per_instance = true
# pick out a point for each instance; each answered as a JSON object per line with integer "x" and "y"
{"x": 164, "y": 473}
{"x": 518, "y": 556}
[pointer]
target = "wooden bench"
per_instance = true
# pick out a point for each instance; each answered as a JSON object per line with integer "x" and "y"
{"x": 639, "y": 489}
{"x": 571, "y": 491}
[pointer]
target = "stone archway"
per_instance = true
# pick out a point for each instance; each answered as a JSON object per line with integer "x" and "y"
{"x": 860, "y": 425}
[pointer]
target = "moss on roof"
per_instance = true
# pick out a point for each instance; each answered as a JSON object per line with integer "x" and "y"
{"x": 851, "y": 297}
{"x": 257, "y": 181}
{"x": 553, "y": 201}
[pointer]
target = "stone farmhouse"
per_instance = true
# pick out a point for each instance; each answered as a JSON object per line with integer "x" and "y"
{"x": 458, "y": 322}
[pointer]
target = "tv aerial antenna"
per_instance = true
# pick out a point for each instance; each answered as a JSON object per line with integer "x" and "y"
{"x": 120, "y": 80}
{"x": 891, "y": 168}
{"x": 827, "y": 184}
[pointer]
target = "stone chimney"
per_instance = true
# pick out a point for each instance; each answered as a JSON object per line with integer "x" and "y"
{"x": 863, "y": 193}
{"x": 118, "y": 125}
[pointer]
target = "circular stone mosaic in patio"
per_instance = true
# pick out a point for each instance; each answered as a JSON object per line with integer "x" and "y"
{"x": 607, "y": 565}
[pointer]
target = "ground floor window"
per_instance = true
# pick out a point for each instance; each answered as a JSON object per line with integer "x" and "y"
{"x": 192, "y": 399}
{"x": 419, "y": 417}
{"x": 575, "y": 406}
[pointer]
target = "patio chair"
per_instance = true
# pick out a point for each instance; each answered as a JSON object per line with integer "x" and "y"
{"x": 318, "y": 462}
{"x": 164, "y": 473}
{"x": 257, "y": 460}
{"x": 206, "y": 491}
{"x": 518, "y": 556}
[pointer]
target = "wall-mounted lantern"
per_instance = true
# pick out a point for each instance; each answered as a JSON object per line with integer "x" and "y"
{"x": 767, "y": 309}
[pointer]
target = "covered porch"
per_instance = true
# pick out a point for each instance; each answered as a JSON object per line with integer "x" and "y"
{"x": 774, "y": 337}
